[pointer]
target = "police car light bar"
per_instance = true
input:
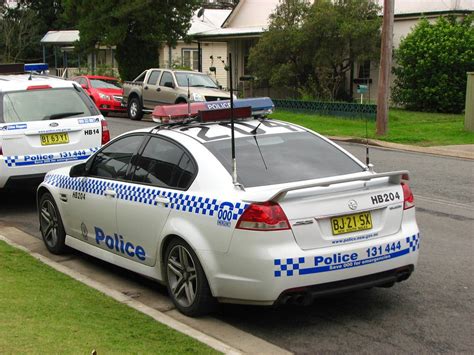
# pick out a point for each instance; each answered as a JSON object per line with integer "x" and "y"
{"x": 12, "y": 68}
{"x": 176, "y": 113}
{"x": 224, "y": 114}
{"x": 36, "y": 67}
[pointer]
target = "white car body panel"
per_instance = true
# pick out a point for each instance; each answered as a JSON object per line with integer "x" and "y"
{"x": 241, "y": 266}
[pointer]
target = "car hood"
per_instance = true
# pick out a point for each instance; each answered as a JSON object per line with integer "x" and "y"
{"x": 209, "y": 92}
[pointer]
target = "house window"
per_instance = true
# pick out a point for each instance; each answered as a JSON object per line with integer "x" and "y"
{"x": 364, "y": 70}
{"x": 190, "y": 58}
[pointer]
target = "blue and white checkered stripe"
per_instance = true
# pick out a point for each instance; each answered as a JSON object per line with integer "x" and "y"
{"x": 287, "y": 266}
{"x": 11, "y": 160}
{"x": 414, "y": 242}
{"x": 48, "y": 158}
{"x": 178, "y": 201}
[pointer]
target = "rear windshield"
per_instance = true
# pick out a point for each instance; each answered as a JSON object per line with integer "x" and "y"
{"x": 283, "y": 158}
{"x": 45, "y": 104}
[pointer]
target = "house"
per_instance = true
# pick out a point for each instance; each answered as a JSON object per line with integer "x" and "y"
{"x": 249, "y": 19}
{"x": 205, "y": 56}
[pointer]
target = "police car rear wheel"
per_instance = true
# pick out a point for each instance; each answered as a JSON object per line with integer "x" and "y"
{"x": 186, "y": 281}
{"x": 51, "y": 225}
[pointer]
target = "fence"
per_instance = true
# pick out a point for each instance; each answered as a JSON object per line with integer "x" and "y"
{"x": 344, "y": 109}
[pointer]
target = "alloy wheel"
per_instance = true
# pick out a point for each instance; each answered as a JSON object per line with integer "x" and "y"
{"x": 182, "y": 275}
{"x": 49, "y": 223}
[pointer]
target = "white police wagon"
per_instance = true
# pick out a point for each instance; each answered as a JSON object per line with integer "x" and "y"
{"x": 302, "y": 218}
{"x": 45, "y": 123}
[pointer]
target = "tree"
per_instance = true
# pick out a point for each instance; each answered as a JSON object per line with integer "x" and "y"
{"x": 18, "y": 33}
{"x": 280, "y": 48}
{"x": 432, "y": 62}
{"x": 311, "y": 48}
{"x": 136, "y": 27}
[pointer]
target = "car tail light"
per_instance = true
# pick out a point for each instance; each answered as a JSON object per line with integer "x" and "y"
{"x": 105, "y": 132}
{"x": 266, "y": 216}
{"x": 408, "y": 198}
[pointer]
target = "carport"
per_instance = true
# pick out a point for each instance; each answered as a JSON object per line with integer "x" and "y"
{"x": 62, "y": 40}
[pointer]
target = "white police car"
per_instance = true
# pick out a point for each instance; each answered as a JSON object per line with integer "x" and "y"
{"x": 305, "y": 217}
{"x": 45, "y": 123}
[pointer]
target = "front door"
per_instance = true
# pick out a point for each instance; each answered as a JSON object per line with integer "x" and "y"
{"x": 151, "y": 90}
{"x": 91, "y": 211}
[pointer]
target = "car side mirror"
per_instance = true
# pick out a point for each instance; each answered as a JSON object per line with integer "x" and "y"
{"x": 220, "y": 87}
{"x": 78, "y": 170}
{"x": 169, "y": 84}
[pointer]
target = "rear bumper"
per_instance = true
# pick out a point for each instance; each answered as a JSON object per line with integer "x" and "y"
{"x": 306, "y": 295}
{"x": 264, "y": 272}
{"x": 22, "y": 167}
{"x": 24, "y": 181}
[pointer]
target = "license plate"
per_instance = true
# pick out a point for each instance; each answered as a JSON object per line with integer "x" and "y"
{"x": 351, "y": 223}
{"x": 54, "y": 138}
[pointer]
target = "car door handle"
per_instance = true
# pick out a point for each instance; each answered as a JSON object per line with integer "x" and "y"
{"x": 110, "y": 193}
{"x": 146, "y": 87}
{"x": 158, "y": 89}
{"x": 163, "y": 200}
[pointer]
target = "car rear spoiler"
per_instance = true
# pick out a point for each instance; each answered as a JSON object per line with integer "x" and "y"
{"x": 395, "y": 177}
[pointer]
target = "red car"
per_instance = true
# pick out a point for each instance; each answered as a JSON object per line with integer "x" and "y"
{"x": 105, "y": 91}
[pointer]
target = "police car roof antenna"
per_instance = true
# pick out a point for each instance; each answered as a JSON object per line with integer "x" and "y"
{"x": 234, "y": 162}
{"x": 189, "y": 101}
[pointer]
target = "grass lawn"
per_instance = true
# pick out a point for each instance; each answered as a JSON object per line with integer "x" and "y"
{"x": 44, "y": 311}
{"x": 406, "y": 127}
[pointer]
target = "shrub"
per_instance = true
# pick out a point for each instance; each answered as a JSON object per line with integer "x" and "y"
{"x": 431, "y": 65}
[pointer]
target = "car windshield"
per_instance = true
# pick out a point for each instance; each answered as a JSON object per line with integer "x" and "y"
{"x": 195, "y": 80}
{"x": 44, "y": 104}
{"x": 281, "y": 158}
{"x": 105, "y": 84}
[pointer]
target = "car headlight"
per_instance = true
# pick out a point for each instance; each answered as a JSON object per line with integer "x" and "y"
{"x": 103, "y": 96}
{"x": 198, "y": 97}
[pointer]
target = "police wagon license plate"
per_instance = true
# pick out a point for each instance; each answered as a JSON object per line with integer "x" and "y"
{"x": 351, "y": 223}
{"x": 54, "y": 138}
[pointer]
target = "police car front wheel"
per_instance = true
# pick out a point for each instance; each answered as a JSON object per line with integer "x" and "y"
{"x": 186, "y": 281}
{"x": 51, "y": 225}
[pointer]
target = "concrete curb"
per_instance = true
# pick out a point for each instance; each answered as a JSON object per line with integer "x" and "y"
{"x": 120, "y": 297}
{"x": 442, "y": 151}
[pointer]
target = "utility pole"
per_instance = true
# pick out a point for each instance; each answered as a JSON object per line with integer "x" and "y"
{"x": 385, "y": 67}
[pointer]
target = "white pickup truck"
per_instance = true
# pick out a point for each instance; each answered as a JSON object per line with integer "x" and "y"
{"x": 157, "y": 86}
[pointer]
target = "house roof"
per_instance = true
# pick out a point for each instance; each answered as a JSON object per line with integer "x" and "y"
{"x": 419, "y": 7}
{"x": 250, "y": 17}
{"x": 211, "y": 19}
{"x": 60, "y": 37}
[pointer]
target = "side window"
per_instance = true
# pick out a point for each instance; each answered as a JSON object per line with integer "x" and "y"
{"x": 166, "y": 78}
{"x": 112, "y": 162}
{"x": 153, "y": 79}
{"x": 165, "y": 164}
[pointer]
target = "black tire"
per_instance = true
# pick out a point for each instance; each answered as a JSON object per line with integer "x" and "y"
{"x": 135, "y": 110}
{"x": 51, "y": 225}
{"x": 180, "y": 259}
